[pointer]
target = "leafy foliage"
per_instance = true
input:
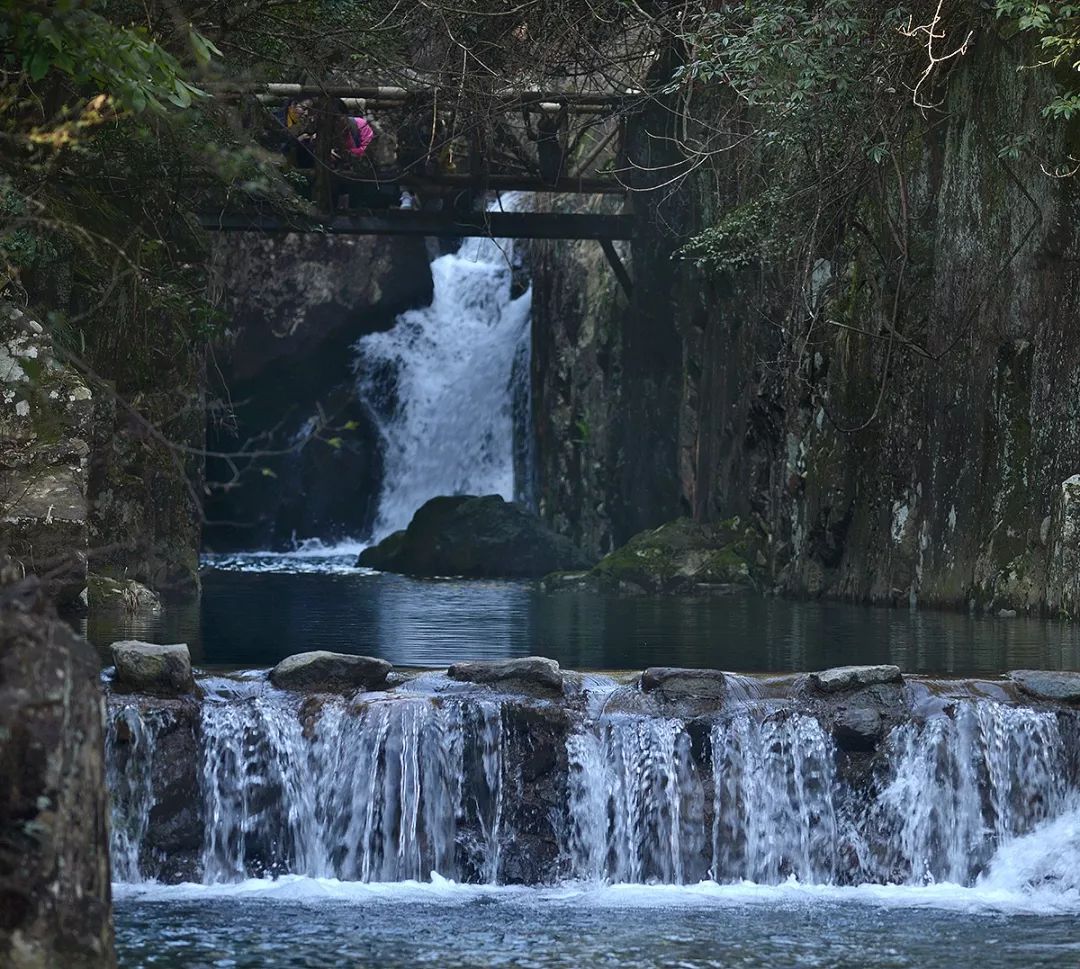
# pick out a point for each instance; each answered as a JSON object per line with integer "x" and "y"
{"x": 1056, "y": 30}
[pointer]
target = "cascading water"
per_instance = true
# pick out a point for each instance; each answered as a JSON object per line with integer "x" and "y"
{"x": 960, "y": 788}
{"x": 774, "y": 784}
{"x": 381, "y": 791}
{"x": 129, "y": 758}
{"x": 442, "y": 383}
{"x": 636, "y": 802}
{"x": 394, "y": 787}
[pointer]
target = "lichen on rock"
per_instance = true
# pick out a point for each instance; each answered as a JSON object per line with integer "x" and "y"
{"x": 681, "y": 557}
{"x": 46, "y": 413}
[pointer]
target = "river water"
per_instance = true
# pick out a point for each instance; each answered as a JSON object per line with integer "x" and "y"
{"x": 319, "y": 925}
{"x": 260, "y": 607}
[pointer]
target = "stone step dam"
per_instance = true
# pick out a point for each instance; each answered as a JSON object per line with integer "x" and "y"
{"x": 517, "y": 772}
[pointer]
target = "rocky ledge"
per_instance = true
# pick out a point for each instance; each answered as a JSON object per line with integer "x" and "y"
{"x": 525, "y": 719}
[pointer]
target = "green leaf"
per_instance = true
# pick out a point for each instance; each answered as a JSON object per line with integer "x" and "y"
{"x": 335, "y": 442}
{"x": 39, "y": 65}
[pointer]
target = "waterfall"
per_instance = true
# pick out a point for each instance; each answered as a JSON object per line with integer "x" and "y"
{"x": 445, "y": 382}
{"x": 774, "y": 786}
{"x": 961, "y": 787}
{"x": 129, "y": 759}
{"x": 383, "y": 791}
{"x": 636, "y": 802}
{"x": 477, "y": 788}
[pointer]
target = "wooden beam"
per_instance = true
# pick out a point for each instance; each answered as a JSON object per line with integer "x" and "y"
{"x": 617, "y": 267}
{"x": 409, "y": 222}
{"x": 495, "y": 183}
{"x": 400, "y": 94}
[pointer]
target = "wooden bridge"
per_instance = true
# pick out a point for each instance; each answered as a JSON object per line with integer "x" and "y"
{"x": 442, "y": 191}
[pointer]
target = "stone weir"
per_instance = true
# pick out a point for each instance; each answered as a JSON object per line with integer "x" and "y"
{"x": 518, "y": 772}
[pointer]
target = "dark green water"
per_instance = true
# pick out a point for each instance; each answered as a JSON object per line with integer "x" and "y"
{"x": 255, "y": 618}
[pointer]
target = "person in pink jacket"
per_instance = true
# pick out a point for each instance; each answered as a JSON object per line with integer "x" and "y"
{"x": 358, "y": 136}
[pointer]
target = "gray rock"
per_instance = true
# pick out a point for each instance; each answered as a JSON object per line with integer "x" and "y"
{"x": 164, "y": 670}
{"x": 531, "y": 671}
{"x": 475, "y": 537}
{"x": 1061, "y": 687}
{"x": 323, "y": 671}
{"x": 55, "y": 908}
{"x": 858, "y": 728}
{"x": 675, "y": 683}
{"x": 842, "y": 678}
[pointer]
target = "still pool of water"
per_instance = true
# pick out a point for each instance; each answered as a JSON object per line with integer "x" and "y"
{"x": 303, "y": 924}
{"x": 258, "y": 608}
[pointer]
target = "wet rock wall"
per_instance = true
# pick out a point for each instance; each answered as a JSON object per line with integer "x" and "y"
{"x": 926, "y": 457}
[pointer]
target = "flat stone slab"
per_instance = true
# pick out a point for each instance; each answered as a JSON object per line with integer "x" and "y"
{"x": 1061, "y": 687}
{"x": 321, "y": 670}
{"x": 164, "y": 670}
{"x": 536, "y": 671}
{"x": 675, "y": 682}
{"x": 841, "y": 678}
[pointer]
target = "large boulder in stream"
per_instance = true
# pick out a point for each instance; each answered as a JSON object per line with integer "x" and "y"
{"x": 161, "y": 670}
{"x": 322, "y": 671}
{"x": 55, "y": 902}
{"x": 675, "y": 683}
{"x": 476, "y": 537}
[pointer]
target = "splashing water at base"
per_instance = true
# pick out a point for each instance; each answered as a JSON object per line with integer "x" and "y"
{"x": 440, "y": 383}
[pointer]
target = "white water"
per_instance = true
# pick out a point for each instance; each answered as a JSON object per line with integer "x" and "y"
{"x": 374, "y": 793}
{"x": 440, "y": 384}
{"x": 970, "y": 808}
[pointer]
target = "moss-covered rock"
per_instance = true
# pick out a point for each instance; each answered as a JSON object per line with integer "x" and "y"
{"x": 475, "y": 537}
{"x": 162, "y": 670}
{"x": 680, "y": 557}
{"x": 121, "y": 595}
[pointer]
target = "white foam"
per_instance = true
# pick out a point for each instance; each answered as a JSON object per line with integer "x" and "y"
{"x": 308, "y": 556}
{"x": 295, "y": 888}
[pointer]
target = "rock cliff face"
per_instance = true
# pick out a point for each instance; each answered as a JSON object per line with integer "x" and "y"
{"x": 936, "y": 467}
{"x": 46, "y": 424}
{"x": 95, "y": 479}
{"x": 296, "y": 304}
{"x": 55, "y": 901}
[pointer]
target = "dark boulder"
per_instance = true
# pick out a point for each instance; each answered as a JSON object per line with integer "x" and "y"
{"x": 55, "y": 901}
{"x": 329, "y": 672}
{"x": 858, "y": 728}
{"x": 476, "y": 537}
